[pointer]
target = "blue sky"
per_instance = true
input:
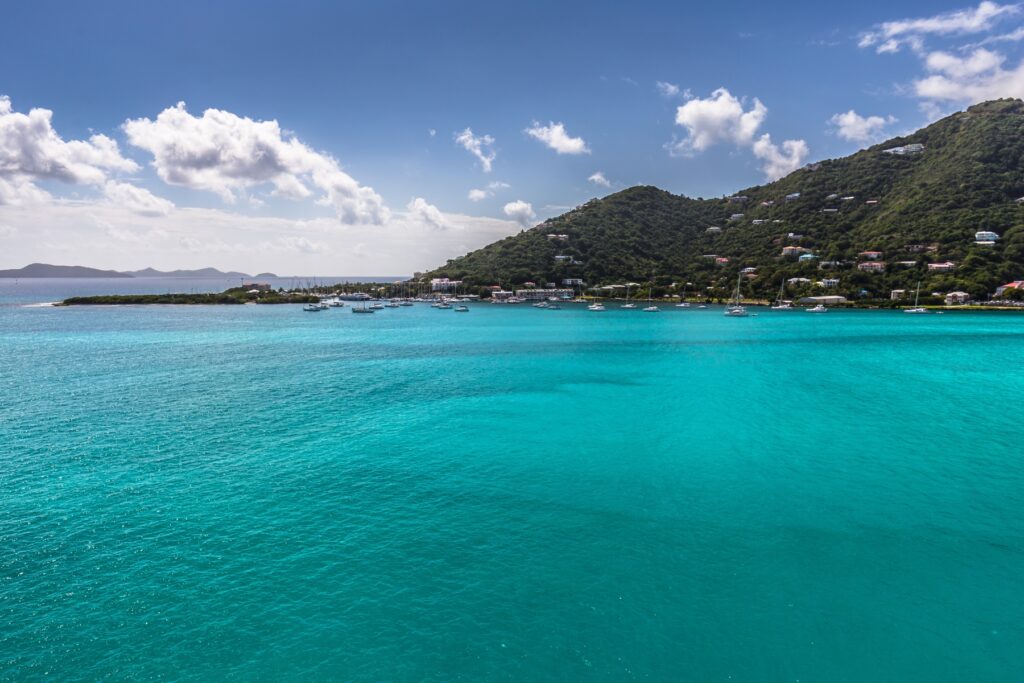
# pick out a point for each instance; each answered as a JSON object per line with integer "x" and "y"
{"x": 360, "y": 87}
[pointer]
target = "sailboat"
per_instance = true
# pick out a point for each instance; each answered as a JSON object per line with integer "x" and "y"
{"x": 650, "y": 307}
{"x": 362, "y": 309}
{"x": 916, "y": 308}
{"x": 781, "y": 305}
{"x": 683, "y": 303}
{"x": 628, "y": 303}
{"x": 735, "y": 309}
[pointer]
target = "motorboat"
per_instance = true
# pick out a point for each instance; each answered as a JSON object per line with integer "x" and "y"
{"x": 820, "y": 308}
{"x": 462, "y": 308}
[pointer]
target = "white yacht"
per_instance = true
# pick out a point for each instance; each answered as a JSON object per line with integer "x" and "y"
{"x": 596, "y": 307}
{"x": 736, "y": 309}
{"x": 820, "y": 308}
{"x": 780, "y": 304}
{"x": 462, "y": 308}
{"x": 916, "y": 308}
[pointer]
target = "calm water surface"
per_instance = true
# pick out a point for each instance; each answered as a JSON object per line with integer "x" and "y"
{"x": 258, "y": 493}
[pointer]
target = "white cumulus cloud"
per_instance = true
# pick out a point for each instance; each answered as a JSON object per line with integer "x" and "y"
{"x": 860, "y": 129}
{"x": 719, "y": 118}
{"x": 476, "y": 194}
{"x": 137, "y": 199}
{"x": 227, "y": 154}
{"x": 723, "y": 118}
{"x": 975, "y": 77}
{"x": 599, "y": 179}
{"x": 779, "y": 162}
{"x": 557, "y": 138}
{"x": 426, "y": 213}
{"x": 520, "y": 211}
{"x": 31, "y": 150}
{"x": 892, "y": 35}
{"x": 480, "y": 146}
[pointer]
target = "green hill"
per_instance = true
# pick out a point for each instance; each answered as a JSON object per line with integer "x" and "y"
{"x": 922, "y": 206}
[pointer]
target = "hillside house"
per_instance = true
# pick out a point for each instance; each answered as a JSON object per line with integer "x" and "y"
{"x": 829, "y": 282}
{"x": 897, "y": 294}
{"x": 871, "y": 266}
{"x": 870, "y": 255}
{"x": 1016, "y": 284}
{"x": 904, "y": 150}
{"x": 794, "y": 250}
{"x": 985, "y": 237}
{"x": 957, "y": 298}
{"x": 807, "y": 257}
{"x": 942, "y": 267}
{"x": 713, "y": 230}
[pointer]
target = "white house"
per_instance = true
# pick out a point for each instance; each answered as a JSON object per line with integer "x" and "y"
{"x": 942, "y": 267}
{"x": 829, "y": 282}
{"x": 983, "y": 236}
{"x": 897, "y": 294}
{"x": 954, "y": 298}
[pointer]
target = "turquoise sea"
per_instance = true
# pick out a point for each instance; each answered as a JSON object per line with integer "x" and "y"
{"x": 257, "y": 493}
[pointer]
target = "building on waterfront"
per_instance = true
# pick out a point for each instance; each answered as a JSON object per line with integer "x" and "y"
{"x": 443, "y": 284}
{"x": 826, "y": 300}
{"x": 955, "y": 298}
{"x": 541, "y": 294}
{"x": 1016, "y": 284}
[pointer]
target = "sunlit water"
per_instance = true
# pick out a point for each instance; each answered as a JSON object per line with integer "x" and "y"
{"x": 254, "y": 492}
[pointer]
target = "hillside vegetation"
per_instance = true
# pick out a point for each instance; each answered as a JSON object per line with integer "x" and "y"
{"x": 966, "y": 179}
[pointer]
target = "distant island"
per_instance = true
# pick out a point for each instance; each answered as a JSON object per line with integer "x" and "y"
{"x": 260, "y": 294}
{"x": 41, "y": 270}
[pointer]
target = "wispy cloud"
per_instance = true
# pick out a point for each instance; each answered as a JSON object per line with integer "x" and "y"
{"x": 890, "y": 36}
{"x": 480, "y": 146}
